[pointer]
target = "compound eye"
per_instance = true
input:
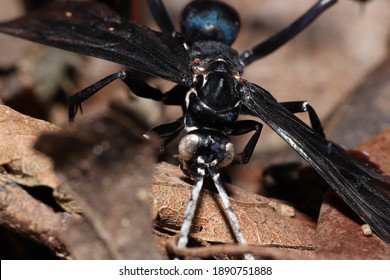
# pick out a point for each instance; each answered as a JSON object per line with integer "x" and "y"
{"x": 188, "y": 147}
{"x": 229, "y": 156}
{"x": 210, "y": 21}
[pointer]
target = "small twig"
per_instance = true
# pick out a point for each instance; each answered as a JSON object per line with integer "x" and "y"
{"x": 260, "y": 252}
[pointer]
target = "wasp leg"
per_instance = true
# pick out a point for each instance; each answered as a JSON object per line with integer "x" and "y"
{"x": 166, "y": 132}
{"x": 302, "y": 107}
{"x": 161, "y": 16}
{"x": 279, "y": 39}
{"x": 243, "y": 127}
{"x": 140, "y": 88}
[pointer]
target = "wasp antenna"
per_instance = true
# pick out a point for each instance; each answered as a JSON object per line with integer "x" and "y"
{"x": 190, "y": 211}
{"x": 229, "y": 211}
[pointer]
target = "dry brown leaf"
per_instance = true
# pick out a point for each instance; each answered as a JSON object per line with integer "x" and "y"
{"x": 260, "y": 223}
{"x": 339, "y": 234}
{"x": 19, "y": 161}
{"x": 377, "y": 149}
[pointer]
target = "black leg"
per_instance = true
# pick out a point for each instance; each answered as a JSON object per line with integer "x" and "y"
{"x": 175, "y": 96}
{"x": 74, "y": 102}
{"x": 161, "y": 16}
{"x": 301, "y": 107}
{"x": 165, "y": 132}
{"x": 242, "y": 127}
{"x": 276, "y": 41}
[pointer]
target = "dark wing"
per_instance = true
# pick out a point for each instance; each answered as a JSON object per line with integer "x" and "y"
{"x": 93, "y": 29}
{"x": 362, "y": 187}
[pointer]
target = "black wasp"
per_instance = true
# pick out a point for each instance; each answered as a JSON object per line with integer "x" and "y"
{"x": 211, "y": 91}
